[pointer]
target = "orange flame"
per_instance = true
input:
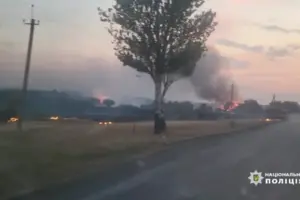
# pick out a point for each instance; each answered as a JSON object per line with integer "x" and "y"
{"x": 13, "y": 119}
{"x": 229, "y": 106}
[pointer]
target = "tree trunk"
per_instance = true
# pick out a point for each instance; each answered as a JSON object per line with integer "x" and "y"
{"x": 158, "y": 95}
{"x": 159, "y": 119}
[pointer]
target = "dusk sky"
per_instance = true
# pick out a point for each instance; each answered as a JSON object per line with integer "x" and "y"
{"x": 73, "y": 51}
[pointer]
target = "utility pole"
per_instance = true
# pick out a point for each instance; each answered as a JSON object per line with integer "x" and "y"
{"x": 232, "y": 93}
{"x": 273, "y": 99}
{"x": 232, "y": 122}
{"x": 32, "y": 23}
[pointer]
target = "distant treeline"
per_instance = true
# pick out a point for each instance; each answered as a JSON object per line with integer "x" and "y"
{"x": 43, "y": 104}
{"x": 288, "y": 106}
{"x": 40, "y": 104}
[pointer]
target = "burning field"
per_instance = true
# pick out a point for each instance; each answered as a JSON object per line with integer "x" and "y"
{"x": 230, "y": 106}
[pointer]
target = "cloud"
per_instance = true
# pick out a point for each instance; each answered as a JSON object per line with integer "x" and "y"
{"x": 280, "y": 52}
{"x": 245, "y": 47}
{"x": 276, "y": 28}
{"x": 271, "y": 52}
{"x": 294, "y": 47}
{"x": 277, "y": 52}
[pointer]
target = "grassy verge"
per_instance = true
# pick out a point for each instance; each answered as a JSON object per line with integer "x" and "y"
{"x": 51, "y": 152}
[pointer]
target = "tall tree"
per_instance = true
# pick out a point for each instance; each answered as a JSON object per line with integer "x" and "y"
{"x": 163, "y": 38}
{"x": 108, "y": 102}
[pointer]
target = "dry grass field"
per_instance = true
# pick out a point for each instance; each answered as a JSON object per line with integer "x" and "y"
{"x": 50, "y": 152}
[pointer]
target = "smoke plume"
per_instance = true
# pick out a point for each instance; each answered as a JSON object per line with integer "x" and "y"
{"x": 212, "y": 79}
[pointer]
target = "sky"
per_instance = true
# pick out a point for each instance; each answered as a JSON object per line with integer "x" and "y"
{"x": 73, "y": 51}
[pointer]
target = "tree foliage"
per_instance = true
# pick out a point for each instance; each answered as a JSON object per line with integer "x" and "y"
{"x": 250, "y": 106}
{"x": 289, "y": 106}
{"x": 163, "y": 38}
{"x": 108, "y": 102}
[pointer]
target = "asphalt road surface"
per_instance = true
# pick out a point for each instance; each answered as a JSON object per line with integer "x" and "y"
{"x": 209, "y": 168}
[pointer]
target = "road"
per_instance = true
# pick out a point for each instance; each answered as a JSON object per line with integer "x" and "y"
{"x": 210, "y": 168}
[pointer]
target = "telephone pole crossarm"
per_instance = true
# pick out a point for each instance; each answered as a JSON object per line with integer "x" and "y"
{"x": 29, "y": 22}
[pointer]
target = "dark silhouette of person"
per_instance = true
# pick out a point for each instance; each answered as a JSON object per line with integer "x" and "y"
{"x": 159, "y": 122}
{"x": 156, "y": 123}
{"x": 162, "y": 122}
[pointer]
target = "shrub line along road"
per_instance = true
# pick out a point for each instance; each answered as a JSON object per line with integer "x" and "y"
{"x": 206, "y": 168}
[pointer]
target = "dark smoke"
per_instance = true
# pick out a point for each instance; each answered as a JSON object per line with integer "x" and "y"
{"x": 211, "y": 79}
